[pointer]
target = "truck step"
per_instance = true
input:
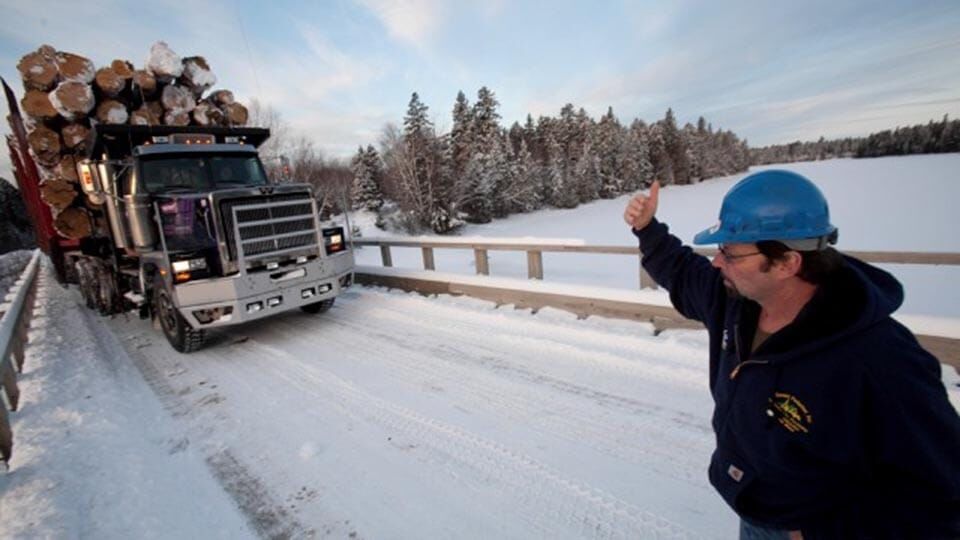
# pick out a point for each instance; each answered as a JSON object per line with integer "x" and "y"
{"x": 134, "y": 298}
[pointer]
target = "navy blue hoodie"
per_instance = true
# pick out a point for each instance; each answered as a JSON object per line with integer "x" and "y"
{"x": 838, "y": 425}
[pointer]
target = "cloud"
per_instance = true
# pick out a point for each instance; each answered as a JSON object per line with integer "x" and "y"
{"x": 412, "y": 21}
{"x": 334, "y": 69}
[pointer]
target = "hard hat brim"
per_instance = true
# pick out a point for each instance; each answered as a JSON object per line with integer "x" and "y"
{"x": 716, "y": 235}
{"x": 711, "y": 235}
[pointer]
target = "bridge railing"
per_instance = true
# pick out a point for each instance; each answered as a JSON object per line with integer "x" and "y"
{"x": 535, "y": 250}
{"x": 947, "y": 349}
{"x": 13, "y": 339}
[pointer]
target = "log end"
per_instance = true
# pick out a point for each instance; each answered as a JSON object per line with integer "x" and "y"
{"x": 38, "y": 69}
{"x": 73, "y": 223}
{"x": 74, "y": 67}
{"x": 112, "y": 112}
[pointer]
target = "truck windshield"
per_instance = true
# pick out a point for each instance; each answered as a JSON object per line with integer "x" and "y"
{"x": 201, "y": 173}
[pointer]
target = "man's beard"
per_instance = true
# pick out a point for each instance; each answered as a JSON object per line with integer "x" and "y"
{"x": 732, "y": 290}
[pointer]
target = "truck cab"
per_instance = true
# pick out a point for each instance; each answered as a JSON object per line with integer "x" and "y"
{"x": 193, "y": 233}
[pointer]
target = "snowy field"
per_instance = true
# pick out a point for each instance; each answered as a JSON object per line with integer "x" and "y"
{"x": 883, "y": 204}
{"x": 399, "y": 416}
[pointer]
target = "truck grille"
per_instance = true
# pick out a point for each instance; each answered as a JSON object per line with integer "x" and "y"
{"x": 270, "y": 226}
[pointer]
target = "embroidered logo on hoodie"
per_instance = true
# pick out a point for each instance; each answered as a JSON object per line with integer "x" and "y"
{"x": 790, "y": 412}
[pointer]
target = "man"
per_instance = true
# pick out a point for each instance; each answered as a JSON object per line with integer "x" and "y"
{"x": 831, "y": 421}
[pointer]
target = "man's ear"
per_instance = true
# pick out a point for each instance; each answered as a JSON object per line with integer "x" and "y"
{"x": 789, "y": 265}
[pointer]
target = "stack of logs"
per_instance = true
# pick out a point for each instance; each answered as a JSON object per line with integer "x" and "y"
{"x": 66, "y": 95}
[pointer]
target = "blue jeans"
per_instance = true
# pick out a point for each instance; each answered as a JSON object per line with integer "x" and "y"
{"x": 749, "y": 531}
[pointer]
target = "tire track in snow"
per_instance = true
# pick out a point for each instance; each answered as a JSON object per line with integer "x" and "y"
{"x": 599, "y": 358}
{"x": 264, "y": 514}
{"x": 654, "y": 438}
{"x": 550, "y": 502}
{"x": 553, "y": 497}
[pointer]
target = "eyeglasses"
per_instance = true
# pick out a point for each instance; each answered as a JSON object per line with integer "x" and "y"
{"x": 728, "y": 258}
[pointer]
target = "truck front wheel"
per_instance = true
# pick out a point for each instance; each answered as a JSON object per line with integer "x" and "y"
{"x": 180, "y": 334}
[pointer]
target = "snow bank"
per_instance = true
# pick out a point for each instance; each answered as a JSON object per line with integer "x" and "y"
{"x": 95, "y": 455}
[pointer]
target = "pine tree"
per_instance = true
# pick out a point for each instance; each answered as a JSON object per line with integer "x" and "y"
{"x": 461, "y": 136}
{"x": 676, "y": 150}
{"x": 417, "y": 163}
{"x": 367, "y": 179}
{"x": 486, "y": 120}
{"x": 486, "y": 174}
{"x": 558, "y": 188}
{"x": 659, "y": 157}
{"x": 636, "y": 169}
{"x": 498, "y": 169}
{"x": 524, "y": 194}
{"x": 609, "y": 140}
{"x": 586, "y": 174}
{"x": 476, "y": 199}
{"x": 694, "y": 152}
{"x": 516, "y": 137}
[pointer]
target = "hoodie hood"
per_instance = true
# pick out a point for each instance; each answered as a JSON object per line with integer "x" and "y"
{"x": 857, "y": 297}
{"x": 884, "y": 294}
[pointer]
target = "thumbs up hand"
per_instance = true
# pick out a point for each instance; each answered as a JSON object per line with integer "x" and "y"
{"x": 642, "y": 207}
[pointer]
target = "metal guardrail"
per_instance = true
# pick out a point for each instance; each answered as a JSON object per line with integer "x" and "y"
{"x": 13, "y": 339}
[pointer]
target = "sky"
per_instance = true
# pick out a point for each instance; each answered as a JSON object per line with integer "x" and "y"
{"x": 338, "y": 70}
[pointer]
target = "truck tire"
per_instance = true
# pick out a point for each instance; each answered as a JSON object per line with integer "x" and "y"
{"x": 318, "y": 307}
{"x": 87, "y": 283}
{"x": 108, "y": 297}
{"x": 182, "y": 337}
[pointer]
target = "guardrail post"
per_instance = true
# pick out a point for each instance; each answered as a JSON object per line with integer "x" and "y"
{"x": 483, "y": 263}
{"x": 6, "y": 436}
{"x": 534, "y": 265}
{"x": 10, "y": 388}
{"x": 385, "y": 255}
{"x": 428, "y": 258}
{"x": 20, "y": 339}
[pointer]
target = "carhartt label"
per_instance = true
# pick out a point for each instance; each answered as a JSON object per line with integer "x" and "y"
{"x": 735, "y": 473}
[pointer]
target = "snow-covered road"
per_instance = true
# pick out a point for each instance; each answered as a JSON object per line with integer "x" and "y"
{"x": 398, "y": 416}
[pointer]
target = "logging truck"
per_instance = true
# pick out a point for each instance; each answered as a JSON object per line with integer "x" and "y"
{"x": 184, "y": 226}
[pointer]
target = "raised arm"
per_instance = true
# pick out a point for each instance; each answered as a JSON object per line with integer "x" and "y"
{"x": 695, "y": 286}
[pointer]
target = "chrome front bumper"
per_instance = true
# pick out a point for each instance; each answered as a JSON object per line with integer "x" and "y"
{"x": 275, "y": 291}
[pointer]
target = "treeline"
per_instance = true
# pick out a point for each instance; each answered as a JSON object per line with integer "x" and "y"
{"x": 16, "y": 232}
{"x": 930, "y": 138}
{"x": 421, "y": 179}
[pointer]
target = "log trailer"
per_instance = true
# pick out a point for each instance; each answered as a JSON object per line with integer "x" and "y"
{"x": 187, "y": 229}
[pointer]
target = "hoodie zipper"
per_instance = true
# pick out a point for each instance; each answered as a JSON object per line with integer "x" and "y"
{"x": 736, "y": 369}
{"x": 740, "y": 362}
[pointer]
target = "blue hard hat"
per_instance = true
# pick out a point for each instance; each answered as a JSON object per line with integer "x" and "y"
{"x": 772, "y": 205}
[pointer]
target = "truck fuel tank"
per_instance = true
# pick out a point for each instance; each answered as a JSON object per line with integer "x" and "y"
{"x": 143, "y": 229}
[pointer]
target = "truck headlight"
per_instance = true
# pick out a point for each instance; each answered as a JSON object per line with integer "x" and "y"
{"x": 189, "y": 265}
{"x": 184, "y": 270}
{"x": 333, "y": 240}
